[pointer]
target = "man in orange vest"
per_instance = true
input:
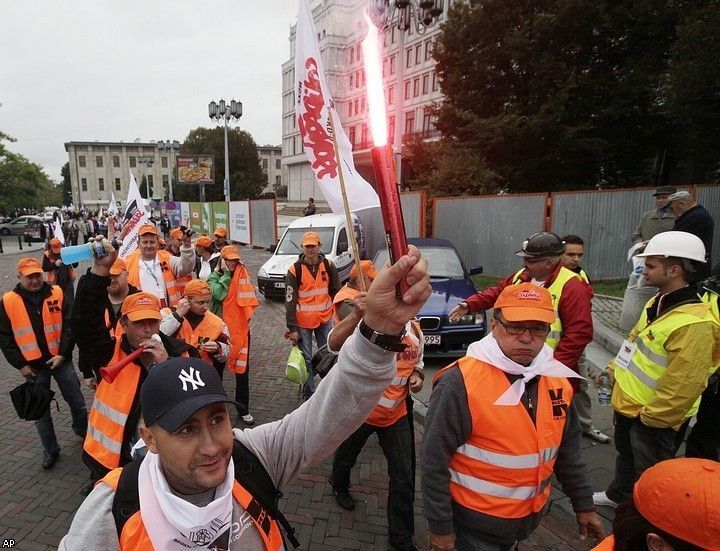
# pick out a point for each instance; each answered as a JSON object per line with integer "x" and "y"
{"x": 56, "y": 272}
{"x": 193, "y": 323}
{"x": 157, "y": 271}
{"x": 204, "y": 485}
{"x": 309, "y": 305}
{"x": 36, "y": 339}
{"x": 500, "y": 423}
{"x": 234, "y": 301}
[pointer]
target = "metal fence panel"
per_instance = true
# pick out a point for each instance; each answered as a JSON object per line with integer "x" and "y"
{"x": 709, "y": 197}
{"x": 412, "y": 208}
{"x": 605, "y": 220}
{"x": 263, "y": 223}
{"x": 488, "y": 230}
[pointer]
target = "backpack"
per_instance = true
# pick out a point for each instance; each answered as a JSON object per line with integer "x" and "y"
{"x": 249, "y": 472}
{"x": 298, "y": 271}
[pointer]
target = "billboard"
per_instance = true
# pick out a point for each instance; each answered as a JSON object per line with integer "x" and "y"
{"x": 196, "y": 169}
{"x": 240, "y": 221}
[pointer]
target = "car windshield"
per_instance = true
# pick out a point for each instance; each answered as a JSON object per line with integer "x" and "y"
{"x": 443, "y": 262}
{"x": 290, "y": 243}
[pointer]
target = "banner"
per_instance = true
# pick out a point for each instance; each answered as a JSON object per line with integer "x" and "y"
{"x": 240, "y": 221}
{"x": 196, "y": 217}
{"x": 195, "y": 170}
{"x": 313, "y": 108}
{"x": 57, "y": 231}
{"x": 136, "y": 214}
{"x": 184, "y": 213}
{"x": 112, "y": 205}
{"x": 220, "y": 212}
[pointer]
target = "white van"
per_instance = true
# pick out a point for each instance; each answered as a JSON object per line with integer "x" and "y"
{"x": 335, "y": 245}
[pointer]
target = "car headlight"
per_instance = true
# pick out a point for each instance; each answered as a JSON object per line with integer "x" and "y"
{"x": 469, "y": 319}
{"x": 262, "y": 273}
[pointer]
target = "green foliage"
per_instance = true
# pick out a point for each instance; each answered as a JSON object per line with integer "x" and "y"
{"x": 66, "y": 185}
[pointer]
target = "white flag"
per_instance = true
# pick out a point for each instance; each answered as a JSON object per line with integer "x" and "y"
{"x": 57, "y": 231}
{"x": 112, "y": 206}
{"x": 313, "y": 108}
{"x": 136, "y": 214}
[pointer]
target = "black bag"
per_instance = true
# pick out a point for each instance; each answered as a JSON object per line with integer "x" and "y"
{"x": 31, "y": 400}
{"x": 323, "y": 360}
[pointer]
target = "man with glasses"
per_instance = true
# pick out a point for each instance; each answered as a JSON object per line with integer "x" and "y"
{"x": 500, "y": 423}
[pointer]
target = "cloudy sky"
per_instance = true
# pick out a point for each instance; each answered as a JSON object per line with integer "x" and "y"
{"x": 125, "y": 69}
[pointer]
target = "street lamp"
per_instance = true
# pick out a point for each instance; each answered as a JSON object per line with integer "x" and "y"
{"x": 220, "y": 111}
{"x": 402, "y": 14}
{"x": 170, "y": 146}
{"x": 148, "y": 161}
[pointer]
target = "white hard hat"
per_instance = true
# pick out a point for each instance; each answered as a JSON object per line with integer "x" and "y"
{"x": 678, "y": 244}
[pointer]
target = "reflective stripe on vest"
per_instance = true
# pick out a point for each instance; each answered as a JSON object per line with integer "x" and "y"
{"x": 647, "y": 365}
{"x": 22, "y": 328}
{"x": 238, "y": 308}
{"x": 314, "y": 305}
{"x": 501, "y": 472}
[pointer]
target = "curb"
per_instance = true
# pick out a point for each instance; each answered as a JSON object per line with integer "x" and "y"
{"x": 606, "y": 337}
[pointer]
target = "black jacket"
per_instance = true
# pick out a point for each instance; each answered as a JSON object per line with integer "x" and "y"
{"x": 698, "y": 221}
{"x": 33, "y": 305}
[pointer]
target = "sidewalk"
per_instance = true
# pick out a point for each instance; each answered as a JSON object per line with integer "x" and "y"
{"x": 10, "y": 246}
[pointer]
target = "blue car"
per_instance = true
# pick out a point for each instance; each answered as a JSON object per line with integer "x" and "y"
{"x": 451, "y": 283}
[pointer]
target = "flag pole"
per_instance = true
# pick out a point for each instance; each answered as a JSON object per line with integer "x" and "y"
{"x": 348, "y": 218}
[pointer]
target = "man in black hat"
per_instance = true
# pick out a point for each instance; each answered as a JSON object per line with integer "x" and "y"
{"x": 695, "y": 219}
{"x": 203, "y": 484}
{"x": 657, "y": 220}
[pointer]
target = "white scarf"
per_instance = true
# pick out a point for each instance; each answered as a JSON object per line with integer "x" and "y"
{"x": 487, "y": 350}
{"x": 173, "y": 523}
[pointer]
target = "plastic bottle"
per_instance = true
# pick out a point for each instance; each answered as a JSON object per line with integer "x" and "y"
{"x": 604, "y": 390}
{"x": 78, "y": 253}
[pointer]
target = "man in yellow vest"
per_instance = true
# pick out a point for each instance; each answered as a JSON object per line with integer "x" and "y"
{"x": 36, "y": 339}
{"x": 205, "y": 485}
{"x": 664, "y": 365}
{"x": 157, "y": 271}
{"x": 500, "y": 423}
{"x": 309, "y": 305}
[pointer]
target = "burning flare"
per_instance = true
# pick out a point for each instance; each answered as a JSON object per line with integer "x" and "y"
{"x": 373, "y": 78}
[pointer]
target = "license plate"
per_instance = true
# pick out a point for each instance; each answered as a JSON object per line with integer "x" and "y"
{"x": 432, "y": 339}
{"x": 279, "y": 284}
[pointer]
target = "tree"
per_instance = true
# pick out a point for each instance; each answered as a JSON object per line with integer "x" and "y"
{"x": 246, "y": 175}
{"x": 66, "y": 185}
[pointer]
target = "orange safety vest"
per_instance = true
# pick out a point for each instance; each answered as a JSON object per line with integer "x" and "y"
{"x": 392, "y": 406}
{"x": 134, "y": 537}
{"x": 211, "y": 327}
{"x": 22, "y": 328}
{"x": 505, "y": 467}
{"x": 608, "y": 544}
{"x": 115, "y": 330}
{"x": 314, "y": 305}
{"x": 345, "y": 293}
{"x": 171, "y": 285}
{"x": 238, "y": 308}
{"x": 51, "y": 276}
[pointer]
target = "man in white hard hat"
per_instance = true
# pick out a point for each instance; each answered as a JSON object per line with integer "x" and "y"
{"x": 664, "y": 365}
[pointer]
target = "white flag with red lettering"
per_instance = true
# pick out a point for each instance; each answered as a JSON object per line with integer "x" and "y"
{"x": 313, "y": 108}
{"x": 136, "y": 214}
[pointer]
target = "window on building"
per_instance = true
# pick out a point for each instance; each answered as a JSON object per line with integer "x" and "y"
{"x": 392, "y": 64}
{"x": 362, "y": 75}
{"x": 391, "y": 128}
{"x": 150, "y": 183}
{"x": 409, "y": 122}
{"x": 428, "y": 49}
{"x": 358, "y": 54}
{"x": 352, "y": 54}
{"x": 116, "y": 161}
{"x": 133, "y": 161}
{"x": 385, "y": 67}
{"x": 357, "y": 79}
{"x": 166, "y": 183}
{"x": 363, "y": 134}
{"x": 351, "y": 135}
{"x": 418, "y": 53}
{"x": 350, "y": 105}
{"x": 83, "y": 184}
{"x": 98, "y": 161}
{"x": 426, "y": 84}
{"x": 164, "y": 162}
{"x": 407, "y": 89}
{"x": 393, "y": 35}
{"x": 391, "y": 95}
{"x": 351, "y": 81}
{"x": 81, "y": 160}
{"x": 278, "y": 164}
{"x": 362, "y": 104}
{"x": 265, "y": 164}
{"x": 278, "y": 181}
{"x": 408, "y": 57}
{"x": 101, "y": 184}
{"x": 357, "y": 106}
{"x": 416, "y": 87}
{"x": 427, "y": 121}
{"x": 434, "y": 82}
{"x": 117, "y": 184}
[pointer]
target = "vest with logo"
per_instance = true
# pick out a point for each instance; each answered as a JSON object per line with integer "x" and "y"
{"x": 345, "y": 293}
{"x": 314, "y": 305}
{"x": 22, "y": 326}
{"x": 650, "y": 359}
{"x": 392, "y": 407}
{"x": 171, "y": 286}
{"x": 555, "y": 288}
{"x": 210, "y": 327}
{"x": 238, "y": 307}
{"x": 505, "y": 467}
{"x": 134, "y": 536}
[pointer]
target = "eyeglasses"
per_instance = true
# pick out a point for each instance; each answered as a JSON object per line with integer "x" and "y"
{"x": 517, "y": 330}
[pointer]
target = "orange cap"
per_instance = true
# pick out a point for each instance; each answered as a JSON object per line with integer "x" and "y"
{"x": 196, "y": 288}
{"x": 220, "y": 232}
{"x": 55, "y": 245}
{"x": 141, "y": 306}
{"x": 29, "y": 266}
{"x": 526, "y": 302}
{"x": 310, "y": 238}
{"x": 229, "y": 252}
{"x": 147, "y": 228}
{"x": 368, "y": 269}
{"x": 682, "y": 497}
{"x": 176, "y": 233}
{"x": 204, "y": 241}
{"x": 118, "y": 267}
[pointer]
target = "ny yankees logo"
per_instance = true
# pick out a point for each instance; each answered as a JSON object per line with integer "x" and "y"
{"x": 193, "y": 378}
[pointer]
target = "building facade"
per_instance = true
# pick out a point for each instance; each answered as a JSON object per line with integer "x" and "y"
{"x": 341, "y": 29}
{"x": 271, "y": 163}
{"x": 99, "y": 169}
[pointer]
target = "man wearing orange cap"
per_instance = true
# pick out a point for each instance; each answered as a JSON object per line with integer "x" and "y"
{"x": 310, "y": 285}
{"x": 193, "y": 323}
{"x": 36, "y": 339}
{"x": 174, "y": 241}
{"x": 220, "y": 234}
{"x": 206, "y": 257}
{"x": 485, "y": 486}
{"x": 157, "y": 271}
{"x": 344, "y": 300}
{"x": 234, "y": 301}
{"x": 56, "y": 272}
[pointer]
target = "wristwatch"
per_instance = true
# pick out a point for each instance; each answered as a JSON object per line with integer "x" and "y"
{"x": 388, "y": 342}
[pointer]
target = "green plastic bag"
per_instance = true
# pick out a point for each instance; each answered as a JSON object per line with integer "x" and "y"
{"x": 296, "y": 370}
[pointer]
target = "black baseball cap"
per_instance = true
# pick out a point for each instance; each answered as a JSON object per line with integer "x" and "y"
{"x": 177, "y": 388}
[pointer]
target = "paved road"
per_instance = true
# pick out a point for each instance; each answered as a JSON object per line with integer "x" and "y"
{"x": 36, "y": 506}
